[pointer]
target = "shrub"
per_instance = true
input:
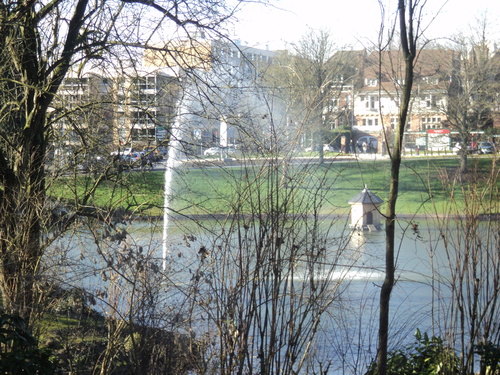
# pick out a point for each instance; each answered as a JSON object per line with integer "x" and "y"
{"x": 426, "y": 355}
{"x": 19, "y": 351}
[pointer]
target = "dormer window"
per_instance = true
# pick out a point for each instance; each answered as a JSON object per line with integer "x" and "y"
{"x": 371, "y": 82}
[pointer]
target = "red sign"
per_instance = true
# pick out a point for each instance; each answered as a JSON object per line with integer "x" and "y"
{"x": 438, "y": 131}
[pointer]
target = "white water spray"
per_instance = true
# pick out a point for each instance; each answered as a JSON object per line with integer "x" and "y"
{"x": 172, "y": 161}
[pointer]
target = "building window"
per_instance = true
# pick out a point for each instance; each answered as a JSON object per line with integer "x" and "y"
{"x": 142, "y": 99}
{"x": 145, "y": 83}
{"x": 144, "y": 119}
{"x": 371, "y": 101}
{"x": 370, "y": 121}
{"x": 431, "y": 119}
{"x": 394, "y": 121}
{"x": 430, "y": 101}
{"x": 143, "y": 133}
{"x": 75, "y": 84}
{"x": 348, "y": 99}
{"x": 371, "y": 82}
{"x": 431, "y": 122}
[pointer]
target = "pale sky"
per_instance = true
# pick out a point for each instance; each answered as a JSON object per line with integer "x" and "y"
{"x": 353, "y": 22}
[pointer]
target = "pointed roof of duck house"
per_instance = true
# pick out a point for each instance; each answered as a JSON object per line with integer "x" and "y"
{"x": 366, "y": 197}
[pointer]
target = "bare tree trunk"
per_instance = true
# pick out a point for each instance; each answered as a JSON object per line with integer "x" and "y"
{"x": 409, "y": 53}
{"x": 463, "y": 163}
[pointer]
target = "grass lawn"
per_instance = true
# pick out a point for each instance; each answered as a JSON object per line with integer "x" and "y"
{"x": 425, "y": 185}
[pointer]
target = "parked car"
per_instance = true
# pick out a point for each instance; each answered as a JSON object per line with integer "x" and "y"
{"x": 130, "y": 161}
{"x": 326, "y": 148}
{"x": 163, "y": 152}
{"x": 135, "y": 158}
{"x": 471, "y": 148}
{"x": 330, "y": 148}
{"x": 152, "y": 154}
{"x": 212, "y": 151}
{"x": 125, "y": 151}
{"x": 486, "y": 148}
{"x": 367, "y": 144}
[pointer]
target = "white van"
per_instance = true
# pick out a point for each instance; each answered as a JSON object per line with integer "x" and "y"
{"x": 370, "y": 142}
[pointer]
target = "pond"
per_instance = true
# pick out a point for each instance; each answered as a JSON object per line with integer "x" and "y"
{"x": 348, "y": 329}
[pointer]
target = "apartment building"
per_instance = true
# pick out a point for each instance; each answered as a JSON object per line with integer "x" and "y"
{"x": 137, "y": 107}
{"x": 105, "y": 111}
{"x": 82, "y": 112}
{"x": 145, "y": 107}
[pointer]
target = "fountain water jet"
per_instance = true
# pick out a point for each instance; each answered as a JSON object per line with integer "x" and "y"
{"x": 172, "y": 161}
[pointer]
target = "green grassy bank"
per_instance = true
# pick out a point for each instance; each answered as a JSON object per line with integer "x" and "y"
{"x": 426, "y": 186}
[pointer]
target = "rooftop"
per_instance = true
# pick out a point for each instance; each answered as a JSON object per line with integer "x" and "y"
{"x": 366, "y": 197}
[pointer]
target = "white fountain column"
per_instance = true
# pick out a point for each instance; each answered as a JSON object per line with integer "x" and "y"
{"x": 172, "y": 160}
{"x": 223, "y": 133}
{"x": 223, "y": 139}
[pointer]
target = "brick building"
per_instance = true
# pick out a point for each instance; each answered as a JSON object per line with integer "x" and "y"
{"x": 371, "y": 94}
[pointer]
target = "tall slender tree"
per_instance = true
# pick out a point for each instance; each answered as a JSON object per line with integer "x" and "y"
{"x": 409, "y": 32}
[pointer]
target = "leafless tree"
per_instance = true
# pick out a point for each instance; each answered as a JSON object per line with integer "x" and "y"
{"x": 308, "y": 79}
{"x": 266, "y": 273}
{"x": 40, "y": 43}
{"x": 470, "y": 269}
{"x": 471, "y": 98}
{"x": 408, "y": 17}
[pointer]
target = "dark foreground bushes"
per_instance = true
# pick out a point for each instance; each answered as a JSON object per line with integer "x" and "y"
{"x": 76, "y": 339}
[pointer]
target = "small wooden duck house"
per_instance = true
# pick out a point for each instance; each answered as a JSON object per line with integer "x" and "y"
{"x": 365, "y": 213}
